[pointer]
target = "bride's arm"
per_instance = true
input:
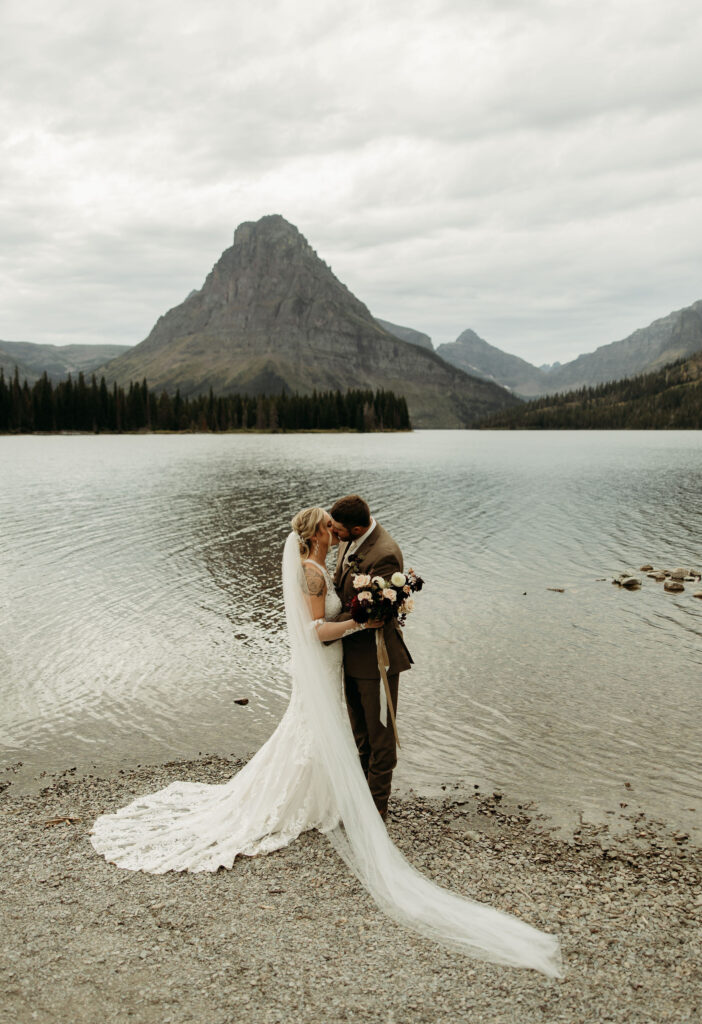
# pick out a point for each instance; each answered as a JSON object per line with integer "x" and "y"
{"x": 316, "y": 592}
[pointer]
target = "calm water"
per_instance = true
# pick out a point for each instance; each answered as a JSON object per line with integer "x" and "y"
{"x": 140, "y": 595}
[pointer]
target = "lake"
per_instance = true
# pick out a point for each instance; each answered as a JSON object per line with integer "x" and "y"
{"x": 140, "y": 596}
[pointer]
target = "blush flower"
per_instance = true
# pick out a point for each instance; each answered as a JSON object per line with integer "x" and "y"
{"x": 390, "y": 595}
{"x": 361, "y": 581}
{"x": 365, "y": 595}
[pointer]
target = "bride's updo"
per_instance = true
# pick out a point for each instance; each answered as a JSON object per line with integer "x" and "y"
{"x": 305, "y": 524}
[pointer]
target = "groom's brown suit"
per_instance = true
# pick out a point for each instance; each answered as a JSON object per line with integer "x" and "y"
{"x": 379, "y": 555}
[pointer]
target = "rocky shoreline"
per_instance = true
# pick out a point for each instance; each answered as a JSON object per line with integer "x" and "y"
{"x": 293, "y": 936}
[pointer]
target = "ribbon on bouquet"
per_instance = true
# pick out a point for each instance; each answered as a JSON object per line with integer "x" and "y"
{"x": 385, "y": 695}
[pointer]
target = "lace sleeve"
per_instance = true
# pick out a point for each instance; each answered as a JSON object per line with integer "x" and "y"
{"x": 327, "y": 631}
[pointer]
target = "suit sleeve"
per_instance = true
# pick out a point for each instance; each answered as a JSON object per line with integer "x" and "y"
{"x": 387, "y": 566}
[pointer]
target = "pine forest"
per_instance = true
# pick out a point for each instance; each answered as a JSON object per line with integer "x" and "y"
{"x": 94, "y": 407}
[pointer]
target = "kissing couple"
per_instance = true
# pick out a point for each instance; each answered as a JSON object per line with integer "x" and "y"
{"x": 328, "y": 765}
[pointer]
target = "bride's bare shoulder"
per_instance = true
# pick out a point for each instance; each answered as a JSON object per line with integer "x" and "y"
{"x": 314, "y": 578}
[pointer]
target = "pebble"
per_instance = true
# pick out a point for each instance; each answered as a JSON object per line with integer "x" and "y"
{"x": 627, "y": 915}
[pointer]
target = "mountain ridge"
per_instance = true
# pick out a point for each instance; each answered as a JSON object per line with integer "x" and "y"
{"x": 674, "y": 336}
{"x": 57, "y": 361}
{"x": 666, "y": 399}
{"x": 407, "y": 334}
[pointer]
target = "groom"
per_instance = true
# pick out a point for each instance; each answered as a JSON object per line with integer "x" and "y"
{"x": 375, "y": 553}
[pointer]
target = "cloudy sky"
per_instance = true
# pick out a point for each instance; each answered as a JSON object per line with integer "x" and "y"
{"x": 528, "y": 168}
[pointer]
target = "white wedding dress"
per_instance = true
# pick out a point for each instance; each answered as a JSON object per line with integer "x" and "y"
{"x": 308, "y": 775}
{"x": 281, "y": 792}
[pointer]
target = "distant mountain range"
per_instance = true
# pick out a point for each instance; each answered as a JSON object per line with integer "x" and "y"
{"x": 56, "y": 360}
{"x": 271, "y": 317}
{"x": 665, "y": 399}
{"x": 673, "y": 337}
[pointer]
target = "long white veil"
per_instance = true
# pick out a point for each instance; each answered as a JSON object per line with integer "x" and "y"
{"x": 362, "y": 840}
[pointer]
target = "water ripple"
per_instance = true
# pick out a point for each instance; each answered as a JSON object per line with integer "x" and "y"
{"x": 141, "y": 594}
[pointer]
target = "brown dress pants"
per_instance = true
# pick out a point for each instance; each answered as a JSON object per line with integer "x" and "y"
{"x": 375, "y": 742}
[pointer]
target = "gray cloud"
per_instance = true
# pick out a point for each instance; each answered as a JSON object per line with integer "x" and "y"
{"x": 528, "y": 169}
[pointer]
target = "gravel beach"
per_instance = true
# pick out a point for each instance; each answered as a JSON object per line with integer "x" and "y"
{"x": 292, "y": 936}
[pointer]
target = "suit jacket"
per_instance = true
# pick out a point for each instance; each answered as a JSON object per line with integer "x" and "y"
{"x": 379, "y": 555}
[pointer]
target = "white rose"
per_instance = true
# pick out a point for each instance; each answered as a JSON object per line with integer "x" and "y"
{"x": 398, "y": 579}
{"x": 390, "y": 595}
{"x": 379, "y": 582}
{"x": 361, "y": 581}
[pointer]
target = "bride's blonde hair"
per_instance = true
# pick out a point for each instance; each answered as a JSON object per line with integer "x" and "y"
{"x": 305, "y": 524}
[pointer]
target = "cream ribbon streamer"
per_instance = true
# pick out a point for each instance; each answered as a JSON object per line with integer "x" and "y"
{"x": 385, "y": 695}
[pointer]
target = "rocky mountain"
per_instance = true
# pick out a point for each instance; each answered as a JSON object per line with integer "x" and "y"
{"x": 473, "y": 354}
{"x": 406, "y": 334}
{"x": 665, "y": 340}
{"x": 271, "y": 316}
{"x": 56, "y": 360}
{"x": 675, "y": 336}
{"x": 665, "y": 399}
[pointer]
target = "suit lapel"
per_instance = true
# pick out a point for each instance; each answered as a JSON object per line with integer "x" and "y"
{"x": 368, "y": 543}
{"x": 364, "y": 552}
{"x": 344, "y": 571}
{"x": 360, "y": 553}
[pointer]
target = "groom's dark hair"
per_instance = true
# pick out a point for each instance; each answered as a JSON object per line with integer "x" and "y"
{"x": 351, "y": 511}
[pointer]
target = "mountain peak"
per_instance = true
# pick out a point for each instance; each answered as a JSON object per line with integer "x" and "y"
{"x": 474, "y": 355}
{"x": 272, "y": 226}
{"x": 272, "y": 316}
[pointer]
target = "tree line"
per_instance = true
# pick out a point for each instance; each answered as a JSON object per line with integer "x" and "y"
{"x": 667, "y": 399}
{"x": 92, "y": 406}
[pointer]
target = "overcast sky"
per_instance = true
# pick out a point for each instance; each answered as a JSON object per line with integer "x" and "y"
{"x": 531, "y": 169}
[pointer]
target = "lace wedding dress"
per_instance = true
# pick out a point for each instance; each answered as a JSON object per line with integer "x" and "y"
{"x": 281, "y": 792}
{"x": 308, "y": 775}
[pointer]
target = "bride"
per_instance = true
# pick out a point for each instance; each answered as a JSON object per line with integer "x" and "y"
{"x": 308, "y": 775}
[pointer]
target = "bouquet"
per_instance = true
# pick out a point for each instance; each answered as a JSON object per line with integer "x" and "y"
{"x": 378, "y": 598}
